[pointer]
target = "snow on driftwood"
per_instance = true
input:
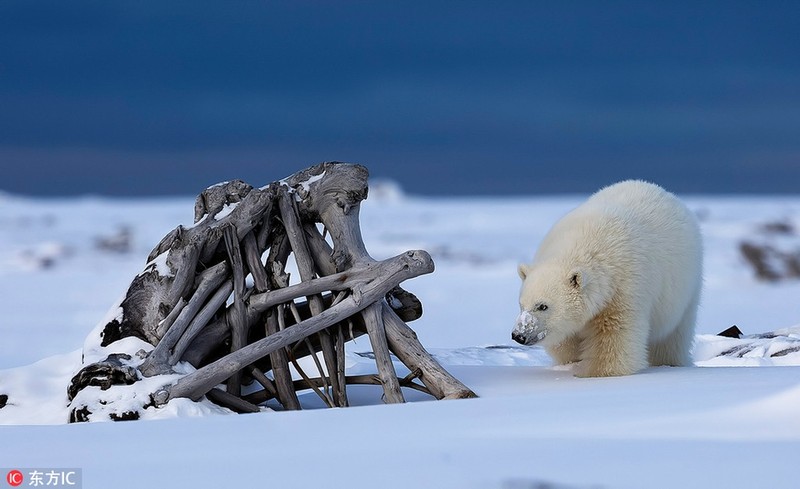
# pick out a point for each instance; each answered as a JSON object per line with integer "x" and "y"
{"x": 779, "y": 347}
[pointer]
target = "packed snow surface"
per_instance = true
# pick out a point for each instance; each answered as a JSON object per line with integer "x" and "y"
{"x": 730, "y": 421}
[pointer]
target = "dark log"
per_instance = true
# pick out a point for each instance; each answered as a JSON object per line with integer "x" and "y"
{"x": 262, "y": 379}
{"x": 231, "y": 401}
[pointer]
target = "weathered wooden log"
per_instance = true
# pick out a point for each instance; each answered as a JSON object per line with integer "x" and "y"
{"x": 305, "y": 266}
{"x": 198, "y": 323}
{"x": 279, "y": 359}
{"x": 239, "y": 324}
{"x": 232, "y": 401}
{"x": 210, "y": 283}
{"x": 253, "y": 257}
{"x": 279, "y": 363}
{"x": 377, "y": 336}
{"x": 213, "y": 199}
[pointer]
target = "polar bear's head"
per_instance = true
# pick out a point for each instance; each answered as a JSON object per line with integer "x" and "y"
{"x": 553, "y": 304}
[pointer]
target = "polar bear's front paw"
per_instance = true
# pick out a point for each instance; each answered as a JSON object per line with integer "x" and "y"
{"x": 582, "y": 369}
{"x": 588, "y": 368}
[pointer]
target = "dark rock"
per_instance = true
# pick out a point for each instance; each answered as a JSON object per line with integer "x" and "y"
{"x": 79, "y": 415}
{"x": 126, "y": 416}
{"x": 732, "y": 332}
{"x": 103, "y": 374}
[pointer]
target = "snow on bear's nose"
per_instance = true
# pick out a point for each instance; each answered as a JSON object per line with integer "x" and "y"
{"x": 526, "y": 321}
{"x": 528, "y": 331}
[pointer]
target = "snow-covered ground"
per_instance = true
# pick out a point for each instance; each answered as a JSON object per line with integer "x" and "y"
{"x": 534, "y": 426}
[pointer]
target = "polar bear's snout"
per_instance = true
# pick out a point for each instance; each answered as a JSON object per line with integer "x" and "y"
{"x": 527, "y": 330}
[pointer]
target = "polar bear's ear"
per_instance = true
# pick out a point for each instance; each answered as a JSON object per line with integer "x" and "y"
{"x": 523, "y": 270}
{"x": 577, "y": 278}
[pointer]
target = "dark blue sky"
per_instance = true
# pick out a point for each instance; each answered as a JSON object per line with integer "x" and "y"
{"x": 167, "y": 97}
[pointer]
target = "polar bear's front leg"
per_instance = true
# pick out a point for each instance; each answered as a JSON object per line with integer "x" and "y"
{"x": 614, "y": 345}
{"x": 568, "y": 351}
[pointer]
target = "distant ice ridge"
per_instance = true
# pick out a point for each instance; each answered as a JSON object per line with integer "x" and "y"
{"x": 385, "y": 190}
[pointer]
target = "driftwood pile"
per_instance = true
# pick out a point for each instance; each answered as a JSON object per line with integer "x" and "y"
{"x": 769, "y": 263}
{"x": 772, "y": 251}
{"x": 218, "y": 296}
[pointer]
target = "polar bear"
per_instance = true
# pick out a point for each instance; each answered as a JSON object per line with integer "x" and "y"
{"x": 615, "y": 284}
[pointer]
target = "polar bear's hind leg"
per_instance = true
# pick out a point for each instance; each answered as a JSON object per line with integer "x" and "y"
{"x": 676, "y": 348}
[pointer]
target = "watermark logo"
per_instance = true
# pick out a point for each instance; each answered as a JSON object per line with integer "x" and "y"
{"x": 43, "y": 477}
{"x": 14, "y": 478}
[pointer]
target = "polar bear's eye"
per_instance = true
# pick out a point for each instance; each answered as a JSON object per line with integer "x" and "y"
{"x": 541, "y": 307}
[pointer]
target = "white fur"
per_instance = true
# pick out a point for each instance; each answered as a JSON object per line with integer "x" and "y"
{"x": 616, "y": 283}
